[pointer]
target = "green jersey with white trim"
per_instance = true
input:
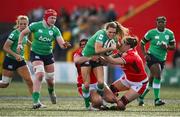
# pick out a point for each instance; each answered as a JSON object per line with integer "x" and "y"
{"x": 101, "y": 37}
{"x": 43, "y": 37}
{"x": 14, "y": 36}
{"x": 158, "y": 38}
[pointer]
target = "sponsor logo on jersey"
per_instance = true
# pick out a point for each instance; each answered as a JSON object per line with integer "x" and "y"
{"x": 40, "y": 31}
{"x": 167, "y": 37}
{"x": 44, "y": 39}
{"x": 156, "y": 37}
{"x": 50, "y": 32}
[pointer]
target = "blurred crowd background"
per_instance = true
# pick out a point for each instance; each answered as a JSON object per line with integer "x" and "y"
{"x": 79, "y": 18}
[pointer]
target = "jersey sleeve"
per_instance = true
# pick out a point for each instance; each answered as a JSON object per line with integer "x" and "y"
{"x": 57, "y": 33}
{"x": 77, "y": 53}
{"x": 12, "y": 36}
{"x": 32, "y": 27}
{"x": 147, "y": 36}
{"x": 99, "y": 37}
{"x": 171, "y": 37}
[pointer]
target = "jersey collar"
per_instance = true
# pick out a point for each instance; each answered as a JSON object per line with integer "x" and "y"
{"x": 159, "y": 31}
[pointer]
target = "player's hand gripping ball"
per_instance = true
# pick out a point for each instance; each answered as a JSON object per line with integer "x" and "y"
{"x": 109, "y": 43}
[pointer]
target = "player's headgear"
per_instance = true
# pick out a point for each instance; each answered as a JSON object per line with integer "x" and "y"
{"x": 161, "y": 19}
{"x": 48, "y": 13}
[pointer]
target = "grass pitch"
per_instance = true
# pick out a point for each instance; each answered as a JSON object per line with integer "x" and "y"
{"x": 15, "y": 101}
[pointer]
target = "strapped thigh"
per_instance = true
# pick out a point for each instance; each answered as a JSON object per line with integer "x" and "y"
{"x": 50, "y": 75}
{"x": 39, "y": 68}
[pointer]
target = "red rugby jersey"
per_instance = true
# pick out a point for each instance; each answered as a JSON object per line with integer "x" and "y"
{"x": 134, "y": 67}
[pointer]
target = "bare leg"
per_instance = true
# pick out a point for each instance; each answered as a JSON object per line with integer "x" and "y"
{"x": 50, "y": 79}
{"x": 7, "y": 74}
{"x": 25, "y": 74}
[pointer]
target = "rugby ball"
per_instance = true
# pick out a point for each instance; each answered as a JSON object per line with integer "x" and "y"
{"x": 108, "y": 44}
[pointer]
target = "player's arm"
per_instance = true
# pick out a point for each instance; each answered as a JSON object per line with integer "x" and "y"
{"x": 143, "y": 43}
{"x": 117, "y": 55}
{"x": 80, "y": 59}
{"x": 171, "y": 46}
{"x": 21, "y": 36}
{"x": 7, "y": 48}
{"x": 99, "y": 48}
{"x": 115, "y": 61}
{"x": 63, "y": 44}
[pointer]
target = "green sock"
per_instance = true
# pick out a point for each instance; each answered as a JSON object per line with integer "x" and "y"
{"x": 36, "y": 97}
{"x": 50, "y": 90}
{"x": 146, "y": 91}
{"x": 87, "y": 101}
{"x": 86, "y": 95}
{"x": 156, "y": 88}
{"x": 100, "y": 89}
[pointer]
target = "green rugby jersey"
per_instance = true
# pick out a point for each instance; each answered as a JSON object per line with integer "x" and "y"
{"x": 101, "y": 37}
{"x": 14, "y": 36}
{"x": 156, "y": 38}
{"x": 43, "y": 37}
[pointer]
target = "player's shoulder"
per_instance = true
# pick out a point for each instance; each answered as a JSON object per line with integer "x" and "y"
{"x": 78, "y": 51}
{"x": 55, "y": 28}
{"x": 36, "y": 23}
{"x": 153, "y": 30}
{"x": 168, "y": 30}
{"x": 102, "y": 31}
{"x": 14, "y": 33}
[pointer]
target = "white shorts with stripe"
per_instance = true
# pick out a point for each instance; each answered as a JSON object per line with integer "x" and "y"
{"x": 139, "y": 87}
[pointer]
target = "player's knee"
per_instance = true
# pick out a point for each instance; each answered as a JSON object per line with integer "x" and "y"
{"x": 5, "y": 81}
{"x": 39, "y": 76}
{"x": 39, "y": 71}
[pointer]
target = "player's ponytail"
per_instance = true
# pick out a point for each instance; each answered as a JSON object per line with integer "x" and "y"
{"x": 121, "y": 30}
